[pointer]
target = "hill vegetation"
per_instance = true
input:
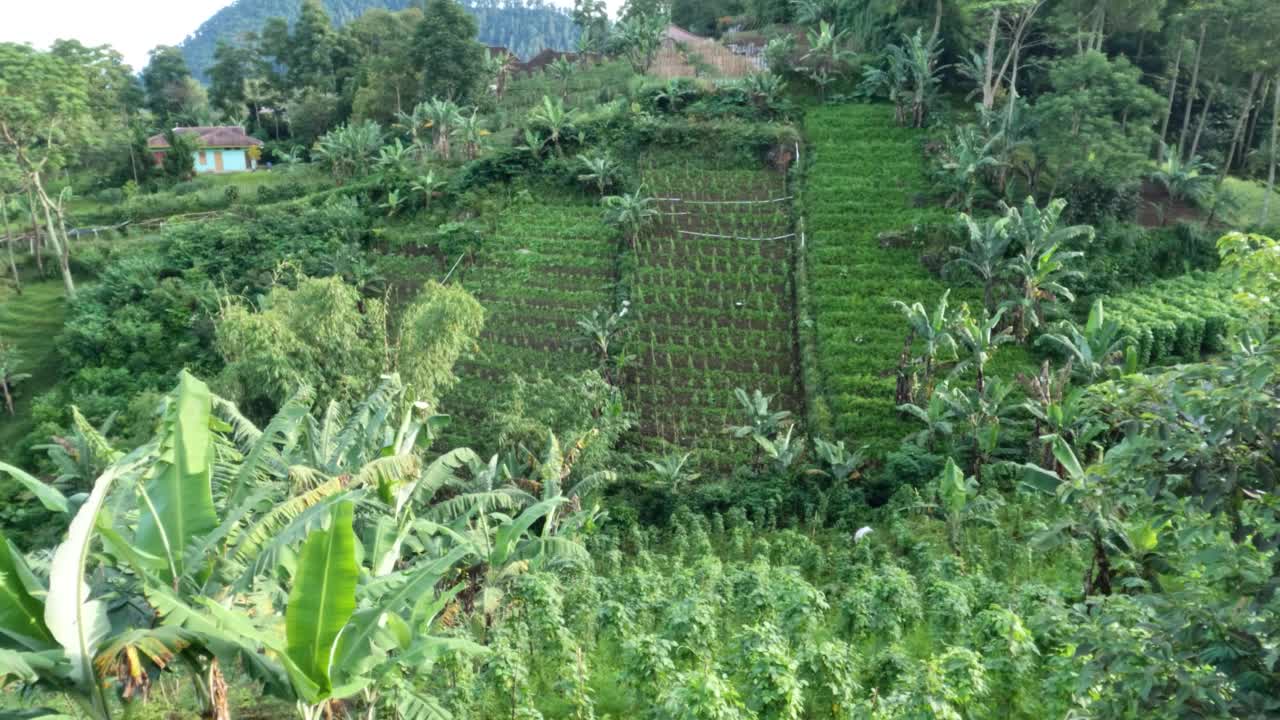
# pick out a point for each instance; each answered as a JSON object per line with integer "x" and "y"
{"x": 525, "y": 27}
{"x": 933, "y": 372}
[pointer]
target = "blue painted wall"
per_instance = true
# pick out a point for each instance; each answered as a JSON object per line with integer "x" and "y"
{"x": 233, "y": 160}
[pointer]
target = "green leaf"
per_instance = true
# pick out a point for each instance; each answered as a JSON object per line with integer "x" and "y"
{"x": 510, "y": 533}
{"x": 1067, "y": 458}
{"x": 177, "y": 500}
{"x": 21, "y": 615}
{"x": 76, "y": 622}
{"x": 952, "y": 490}
{"x": 48, "y": 496}
{"x": 323, "y": 600}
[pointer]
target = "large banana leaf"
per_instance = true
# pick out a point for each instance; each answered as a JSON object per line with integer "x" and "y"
{"x": 76, "y": 622}
{"x": 405, "y": 589}
{"x": 439, "y": 472}
{"x": 178, "y": 497}
{"x": 48, "y": 496}
{"x": 21, "y": 614}
{"x": 509, "y": 535}
{"x": 322, "y": 601}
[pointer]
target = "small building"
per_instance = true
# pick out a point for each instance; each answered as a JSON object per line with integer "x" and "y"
{"x": 219, "y": 149}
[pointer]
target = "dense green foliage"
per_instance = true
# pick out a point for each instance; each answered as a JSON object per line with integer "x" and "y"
{"x": 587, "y": 394}
{"x": 526, "y": 27}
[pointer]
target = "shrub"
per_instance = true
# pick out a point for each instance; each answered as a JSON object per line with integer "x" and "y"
{"x": 1179, "y": 318}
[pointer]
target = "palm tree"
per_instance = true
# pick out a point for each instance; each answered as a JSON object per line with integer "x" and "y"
{"x": 632, "y": 212}
{"x": 984, "y": 254}
{"x": 1189, "y": 181}
{"x": 933, "y": 331}
{"x": 601, "y": 169}
{"x": 349, "y": 150}
{"x": 498, "y": 68}
{"x": 602, "y": 330}
{"x": 552, "y": 117}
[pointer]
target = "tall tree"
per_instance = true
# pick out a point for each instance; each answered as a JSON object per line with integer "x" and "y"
{"x": 592, "y": 19}
{"x": 311, "y": 50}
{"x": 233, "y": 67}
{"x": 387, "y": 78}
{"x": 445, "y": 45}
{"x": 166, "y": 79}
{"x": 45, "y": 120}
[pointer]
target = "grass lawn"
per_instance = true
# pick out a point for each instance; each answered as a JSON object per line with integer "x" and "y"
{"x": 30, "y": 322}
{"x": 1251, "y": 194}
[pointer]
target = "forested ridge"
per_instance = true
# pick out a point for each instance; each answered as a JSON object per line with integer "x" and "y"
{"x": 525, "y": 27}
{"x": 866, "y": 361}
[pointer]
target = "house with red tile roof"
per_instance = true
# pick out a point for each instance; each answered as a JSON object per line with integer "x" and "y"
{"x": 219, "y": 148}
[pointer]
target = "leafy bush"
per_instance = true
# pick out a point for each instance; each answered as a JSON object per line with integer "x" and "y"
{"x": 1179, "y": 318}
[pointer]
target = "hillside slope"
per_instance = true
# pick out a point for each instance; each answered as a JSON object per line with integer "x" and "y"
{"x": 526, "y": 27}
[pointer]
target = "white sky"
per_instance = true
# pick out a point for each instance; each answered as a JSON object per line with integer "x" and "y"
{"x": 131, "y": 26}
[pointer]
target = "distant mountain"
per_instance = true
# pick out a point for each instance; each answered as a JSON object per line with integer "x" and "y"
{"x": 526, "y": 27}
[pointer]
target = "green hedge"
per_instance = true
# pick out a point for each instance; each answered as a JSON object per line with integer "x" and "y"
{"x": 1180, "y": 318}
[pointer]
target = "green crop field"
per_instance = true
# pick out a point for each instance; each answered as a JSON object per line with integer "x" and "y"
{"x": 866, "y": 177}
{"x": 712, "y": 295}
{"x": 30, "y": 322}
{"x": 549, "y": 263}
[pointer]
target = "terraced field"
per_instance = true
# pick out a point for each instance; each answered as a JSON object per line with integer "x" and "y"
{"x": 550, "y": 263}
{"x": 855, "y": 192}
{"x": 711, "y": 291}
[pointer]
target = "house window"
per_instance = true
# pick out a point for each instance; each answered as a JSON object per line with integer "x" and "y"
{"x": 202, "y": 158}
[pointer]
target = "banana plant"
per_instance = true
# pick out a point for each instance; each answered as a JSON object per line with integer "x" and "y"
{"x": 1098, "y": 350}
{"x": 954, "y": 492}
{"x": 50, "y": 637}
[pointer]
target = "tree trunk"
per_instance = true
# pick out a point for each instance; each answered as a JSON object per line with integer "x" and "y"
{"x": 989, "y": 79}
{"x": 9, "y": 242}
{"x": 937, "y": 22}
{"x": 1271, "y": 173}
{"x": 905, "y": 393}
{"x": 60, "y": 246}
{"x": 1238, "y": 134}
{"x": 1204, "y": 117}
{"x": 1192, "y": 89}
{"x": 1254, "y": 119}
{"x": 1168, "y": 112}
{"x": 35, "y": 231}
